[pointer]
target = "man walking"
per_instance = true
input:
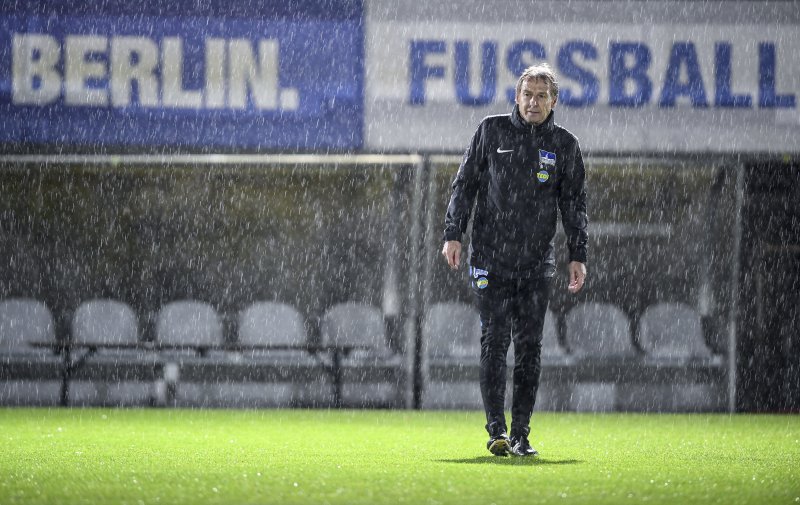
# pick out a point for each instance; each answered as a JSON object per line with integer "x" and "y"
{"x": 519, "y": 170}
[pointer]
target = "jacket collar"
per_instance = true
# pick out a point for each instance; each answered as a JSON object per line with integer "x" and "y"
{"x": 546, "y": 127}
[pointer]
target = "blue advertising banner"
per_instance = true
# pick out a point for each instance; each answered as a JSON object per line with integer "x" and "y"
{"x": 263, "y": 75}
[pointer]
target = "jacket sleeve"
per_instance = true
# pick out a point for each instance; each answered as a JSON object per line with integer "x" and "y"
{"x": 465, "y": 188}
{"x": 572, "y": 203}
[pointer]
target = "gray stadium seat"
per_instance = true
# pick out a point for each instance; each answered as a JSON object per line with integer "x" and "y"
{"x": 451, "y": 331}
{"x": 598, "y": 330}
{"x": 22, "y": 321}
{"x": 371, "y": 374}
{"x": 552, "y": 350}
{"x": 601, "y": 332}
{"x": 672, "y": 331}
{"x": 451, "y": 334}
{"x": 671, "y": 335}
{"x": 553, "y": 395}
{"x": 190, "y": 323}
{"x": 105, "y": 322}
{"x": 355, "y": 324}
{"x": 263, "y": 324}
{"x": 112, "y": 377}
{"x": 269, "y": 323}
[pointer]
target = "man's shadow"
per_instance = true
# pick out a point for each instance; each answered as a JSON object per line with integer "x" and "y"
{"x": 495, "y": 460}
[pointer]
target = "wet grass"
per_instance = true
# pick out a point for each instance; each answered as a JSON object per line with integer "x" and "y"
{"x": 99, "y": 456}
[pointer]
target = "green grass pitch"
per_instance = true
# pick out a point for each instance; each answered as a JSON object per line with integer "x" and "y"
{"x": 150, "y": 456}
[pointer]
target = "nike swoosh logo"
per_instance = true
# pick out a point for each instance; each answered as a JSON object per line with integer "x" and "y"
{"x": 501, "y": 151}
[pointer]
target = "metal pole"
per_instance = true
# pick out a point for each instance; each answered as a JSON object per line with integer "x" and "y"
{"x": 411, "y": 326}
{"x": 430, "y": 250}
{"x": 735, "y": 274}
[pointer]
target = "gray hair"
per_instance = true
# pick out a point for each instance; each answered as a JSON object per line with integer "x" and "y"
{"x": 540, "y": 71}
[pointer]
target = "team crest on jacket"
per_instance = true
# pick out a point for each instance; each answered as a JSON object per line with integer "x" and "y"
{"x": 477, "y": 272}
{"x": 547, "y": 160}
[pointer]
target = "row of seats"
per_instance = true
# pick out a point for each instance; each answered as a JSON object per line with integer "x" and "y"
{"x": 450, "y": 333}
{"x": 665, "y": 330}
{"x": 668, "y": 334}
{"x": 195, "y": 323}
{"x": 23, "y": 321}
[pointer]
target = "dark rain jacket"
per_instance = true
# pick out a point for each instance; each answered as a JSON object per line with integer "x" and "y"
{"x": 518, "y": 176}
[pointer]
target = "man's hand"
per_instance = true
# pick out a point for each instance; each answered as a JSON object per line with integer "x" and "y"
{"x": 452, "y": 253}
{"x": 577, "y": 275}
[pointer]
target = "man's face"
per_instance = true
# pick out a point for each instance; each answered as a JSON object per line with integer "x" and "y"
{"x": 535, "y": 101}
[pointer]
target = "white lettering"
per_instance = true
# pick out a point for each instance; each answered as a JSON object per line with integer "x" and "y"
{"x": 34, "y": 58}
{"x": 78, "y": 68}
{"x": 134, "y": 59}
{"x": 122, "y": 71}
{"x": 215, "y": 73}
{"x": 261, "y": 78}
{"x": 172, "y": 77}
{"x": 290, "y": 99}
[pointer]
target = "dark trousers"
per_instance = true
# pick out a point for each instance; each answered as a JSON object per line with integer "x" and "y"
{"x": 510, "y": 309}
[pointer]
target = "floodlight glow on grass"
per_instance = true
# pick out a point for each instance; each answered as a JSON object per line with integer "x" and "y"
{"x": 99, "y": 456}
